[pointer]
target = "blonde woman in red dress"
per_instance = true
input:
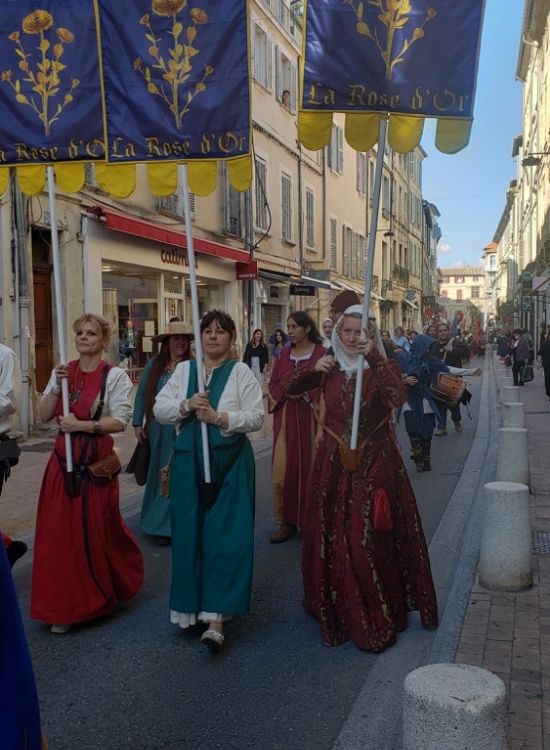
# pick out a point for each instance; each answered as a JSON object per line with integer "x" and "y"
{"x": 365, "y": 560}
{"x": 85, "y": 559}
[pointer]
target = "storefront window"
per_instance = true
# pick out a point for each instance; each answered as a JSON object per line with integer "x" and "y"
{"x": 210, "y": 297}
{"x": 130, "y": 303}
{"x": 139, "y": 302}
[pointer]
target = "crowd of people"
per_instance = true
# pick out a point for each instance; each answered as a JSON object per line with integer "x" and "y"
{"x": 365, "y": 561}
{"x": 364, "y": 556}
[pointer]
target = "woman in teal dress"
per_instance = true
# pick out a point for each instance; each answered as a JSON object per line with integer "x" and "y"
{"x": 212, "y": 525}
{"x": 175, "y": 348}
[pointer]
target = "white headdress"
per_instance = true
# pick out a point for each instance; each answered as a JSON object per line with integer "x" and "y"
{"x": 348, "y": 359}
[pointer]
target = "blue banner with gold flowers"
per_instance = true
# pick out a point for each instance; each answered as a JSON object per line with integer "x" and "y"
{"x": 50, "y": 95}
{"x": 401, "y": 56}
{"x": 175, "y": 78}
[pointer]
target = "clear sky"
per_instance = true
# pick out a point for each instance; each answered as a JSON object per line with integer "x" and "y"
{"x": 469, "y": 188}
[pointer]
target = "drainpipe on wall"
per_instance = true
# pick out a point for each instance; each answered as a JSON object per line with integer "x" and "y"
{"x": 22, "y": 329}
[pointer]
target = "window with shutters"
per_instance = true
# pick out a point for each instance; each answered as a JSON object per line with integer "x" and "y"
{"x": 286, "y": 81}
{"x": 385, "y": 196}
{"x": 348, "y": 250}
{"x": 361, "y": 179}
{"x": 335, "y": 150}
{"x": 286, "y": 206}
{"x": 263, "y": 54}
{"x": 260, "y": 195}
{"x": 333, "y": 244}
{"x": 172, "y": 205}
{"x": 310, "y": 218}
{"x": 234, "y": 210}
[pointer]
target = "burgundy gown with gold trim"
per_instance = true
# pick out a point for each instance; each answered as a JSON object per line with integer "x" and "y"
{"x": 64, "y": 589}
{"x": 359, "y": 582}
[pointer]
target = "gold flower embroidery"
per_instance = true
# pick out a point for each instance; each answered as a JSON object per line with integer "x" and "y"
{"x": 43, "y": 76}
{"x": 168, "y": 7}
{"x": 37, "y": 22}
{"x": 172, "y": 65}
{"x": 394, "y": 15}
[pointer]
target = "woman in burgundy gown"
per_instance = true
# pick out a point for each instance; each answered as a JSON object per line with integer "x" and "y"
{"x": 85, "y": 559}
{"x": 293, "y": 427}
{"x": 365, "y": 560}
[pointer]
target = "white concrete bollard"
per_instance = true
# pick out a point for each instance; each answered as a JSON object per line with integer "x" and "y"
{"x": 510, "y": 394}
{"x": 513, "y": 415}
{"x": 505, "y": 381}
{"x": 455, "y": 707}
{"x": 505, "y": 548}
{"x": 512, "y": 456}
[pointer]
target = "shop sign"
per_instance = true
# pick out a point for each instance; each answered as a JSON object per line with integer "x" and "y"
{"x": 526, "y": 281}
{"x": 246, "y": 271}
{"x": 410, "y": 294}
{"x": 174, "y": 256}
{"x": 302, "y": 290}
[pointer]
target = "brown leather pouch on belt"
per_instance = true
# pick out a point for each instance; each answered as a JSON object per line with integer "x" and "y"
{"x": 105, "y": 470}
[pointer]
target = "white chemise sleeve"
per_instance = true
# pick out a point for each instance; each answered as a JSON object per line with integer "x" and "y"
{"x": 117, "y": 395}
{"x": 168, "y": 400}
{"x": 243, "y": 401}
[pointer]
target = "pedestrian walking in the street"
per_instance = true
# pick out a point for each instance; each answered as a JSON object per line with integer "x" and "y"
{"x": 520, "y": 355}
{"x": 420, "y": 369}
{"x": 400, "y": 340}
{"x": 293, "y": 428}
{"x": 9, "y": 377}
{"x": 365, "y": 560}
{"x": 452, "y": 351}
{"x": 280, "y": 342}
{"x": 212, "y": 524}
{"x": 175, "y": 347}
{"x": 256, "y": 355}
{"x": 544, "y": 353}
{"x": 327, "y": 325}
{"x": 85, "y": 558}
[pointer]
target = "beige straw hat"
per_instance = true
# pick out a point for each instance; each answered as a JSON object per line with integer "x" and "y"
{"x": 177, "y": 328}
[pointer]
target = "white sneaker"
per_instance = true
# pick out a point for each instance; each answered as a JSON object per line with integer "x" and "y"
{"x": 458, "y": 426}
{"x": 440, "y": 431}
{"x": 60, "y": 629}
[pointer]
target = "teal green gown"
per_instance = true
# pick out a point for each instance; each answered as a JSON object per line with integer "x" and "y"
{"x": 212, "y": 547}
{"x": 155, "y": 511}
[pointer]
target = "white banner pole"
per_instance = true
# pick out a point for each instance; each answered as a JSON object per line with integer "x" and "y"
{"x": 182, "y": 169}
{"x": 59, "y": 310}
{"x": 369, "y": 265}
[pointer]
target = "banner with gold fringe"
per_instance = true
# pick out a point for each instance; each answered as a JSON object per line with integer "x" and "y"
{"x": 50, "y": 99}
{"x": 400, "y": 59}
{"x": 137, "y": 81}
{"x": 175, "y": 79}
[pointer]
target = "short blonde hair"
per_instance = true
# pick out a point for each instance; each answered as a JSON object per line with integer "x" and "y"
{"x": 101, "y": 324}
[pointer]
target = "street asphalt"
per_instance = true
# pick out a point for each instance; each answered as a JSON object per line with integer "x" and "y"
{"x": 133, "y": 681}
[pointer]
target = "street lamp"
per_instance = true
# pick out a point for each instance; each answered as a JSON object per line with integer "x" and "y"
{"x": 534, "y": 159}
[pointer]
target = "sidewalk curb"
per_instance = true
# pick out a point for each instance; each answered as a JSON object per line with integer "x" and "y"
{"x": 454, "y": 562}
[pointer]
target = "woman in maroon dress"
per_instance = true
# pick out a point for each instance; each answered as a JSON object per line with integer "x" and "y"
{"x": 85, "y": 559}
{"x": 293, "y": 427}
{"x": 365, "y": 561}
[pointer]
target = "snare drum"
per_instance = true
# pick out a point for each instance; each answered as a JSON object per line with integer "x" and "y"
{"x": 448, "y": 389}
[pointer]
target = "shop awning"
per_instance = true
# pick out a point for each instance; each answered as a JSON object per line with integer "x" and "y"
{"x": 414, "y": 305}
{"x": 357, "y": 289}
{"x": 319, "y": 283}
{"x": 150, "y": 230}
